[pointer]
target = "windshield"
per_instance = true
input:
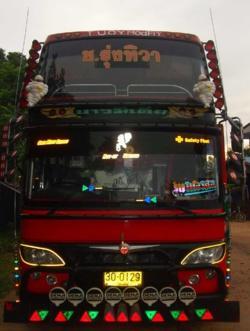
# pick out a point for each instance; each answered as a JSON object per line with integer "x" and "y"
{"x": 121, "y": 68}
{"x": 132, "y": 166}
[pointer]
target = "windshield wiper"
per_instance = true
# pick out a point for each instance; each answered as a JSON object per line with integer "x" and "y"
{"x": 174, "y": 205}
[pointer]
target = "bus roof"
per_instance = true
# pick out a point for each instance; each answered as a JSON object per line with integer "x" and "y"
{"x": 123, "y": 33}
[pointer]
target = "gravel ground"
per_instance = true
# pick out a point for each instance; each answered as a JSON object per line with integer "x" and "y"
{"x": 240, "y": 290}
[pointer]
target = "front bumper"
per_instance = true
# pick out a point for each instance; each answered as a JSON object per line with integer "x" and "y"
{"x": 105, "y": 315}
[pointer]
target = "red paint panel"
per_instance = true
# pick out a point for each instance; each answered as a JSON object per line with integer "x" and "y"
{"x": 111, "y": 231}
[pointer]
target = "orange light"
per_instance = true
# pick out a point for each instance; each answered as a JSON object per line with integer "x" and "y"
{"x": 52, "y": 142}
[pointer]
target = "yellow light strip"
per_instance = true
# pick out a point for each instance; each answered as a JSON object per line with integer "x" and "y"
{"x": 52, "y": 142}
{"x": 109, "y": 156}
{"x": 205, "y": 247}
{"x": 45, "y": 249}
{"x": 130, "y": 156}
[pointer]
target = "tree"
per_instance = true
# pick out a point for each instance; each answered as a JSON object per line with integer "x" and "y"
{"x": 9, "y": 71}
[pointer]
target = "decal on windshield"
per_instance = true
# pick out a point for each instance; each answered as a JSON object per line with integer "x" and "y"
{"x": 194, "y": 187}
{"x": 130, "y": 53}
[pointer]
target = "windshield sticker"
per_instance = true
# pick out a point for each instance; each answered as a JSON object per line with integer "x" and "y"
{"x": 130, "y": 53}
{"x": 77, "y": 113}
{"x": 194, "y": 187}
{"x": 193, "y": 140}
{"x": 122, "y": 141}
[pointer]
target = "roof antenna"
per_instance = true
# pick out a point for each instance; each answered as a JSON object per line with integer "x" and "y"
{"x": 21, "y": 60}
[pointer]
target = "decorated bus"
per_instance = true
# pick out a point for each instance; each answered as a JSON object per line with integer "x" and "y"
{"x": 123, "y": 216}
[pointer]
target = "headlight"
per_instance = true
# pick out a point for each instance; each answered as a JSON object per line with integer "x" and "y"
{"x": 209, "y": 254}
{"x": 40, "y": 256}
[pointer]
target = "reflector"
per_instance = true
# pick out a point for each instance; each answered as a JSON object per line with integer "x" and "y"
{"x": 207, "y": 316}
{"x": 35, "y": 317}
{"x": 68, "y": 314}
{"x": 109, "y": 317}
{"x": 93, "y": 314}
{"x": 43, "y": 314}
{"x": 85, "y": 317}
{"x": 135, "y": 317}
{"x": 150, "y": 314}
{"x": 183, "y": 317}
{"x": 158, "y": 318}
{"x": 122, "y": 317}
{"x": 175, "y": 314}
{"x": 200, "y": 312}
{"x": 60, "y": 317}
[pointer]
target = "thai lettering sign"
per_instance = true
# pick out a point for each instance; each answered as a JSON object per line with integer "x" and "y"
{"x": 128, "y": 54}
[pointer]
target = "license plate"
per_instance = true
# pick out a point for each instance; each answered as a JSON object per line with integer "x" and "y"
{"x": 123, "y": 278}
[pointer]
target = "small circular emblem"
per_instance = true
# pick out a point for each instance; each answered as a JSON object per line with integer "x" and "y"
{"x": 94, "y": 296}
{"x": 149, "y": 295}
{"x": 124, "y": 248}
{"x": 75, "y": 295}
{"x": 168, "y": 296}
{"x": 113, "y": 295}
{"x": 187, "y": 294}
{"x": 57, "y": 295}
{"x": 131, "y": 295}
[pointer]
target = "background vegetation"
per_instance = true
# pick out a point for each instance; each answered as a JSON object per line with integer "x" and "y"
{"x": 9, "y": 71}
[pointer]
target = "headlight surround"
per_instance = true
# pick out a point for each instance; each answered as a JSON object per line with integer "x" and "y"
{"x": 40, "y": 256}
{"x": 208, "y": 254}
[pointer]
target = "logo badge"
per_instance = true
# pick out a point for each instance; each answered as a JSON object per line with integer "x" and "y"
{"x": 75, "y": 295}
{"x": 131, "y": 295}
{"x": 168, "y": 296}
{"x": 124, "y": 248}
{"x": 187, "y": 294}
{"x": 94, "y": 296}
{"x": 57, "y": 295}
{"x": 150, "y": 295}
{"x": 113, "y": 295}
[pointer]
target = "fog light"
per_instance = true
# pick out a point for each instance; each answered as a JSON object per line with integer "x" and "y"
{"x": 51, "y": 279}
{"x": 194, "y": 279}
{"x": 210, "y": 274}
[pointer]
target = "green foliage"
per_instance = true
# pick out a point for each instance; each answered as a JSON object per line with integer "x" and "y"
{"x": 9, "y": 70}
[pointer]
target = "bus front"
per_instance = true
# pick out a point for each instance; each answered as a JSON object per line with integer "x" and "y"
{"x": 123, "y": 214}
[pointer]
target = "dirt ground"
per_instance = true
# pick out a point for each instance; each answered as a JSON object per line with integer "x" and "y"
{"x": 240, "y": 290}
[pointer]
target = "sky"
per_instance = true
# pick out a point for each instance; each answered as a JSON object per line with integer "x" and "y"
{"x": 230, "y": 19}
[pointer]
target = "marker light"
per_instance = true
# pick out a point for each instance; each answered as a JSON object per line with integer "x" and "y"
{"x": 208, "y": 254}
{"x": 85, "y": 318}
{"x": 151, "y": 314}
{"x": 204, "y": 314}
{"x": 109, "y": 315}
{"x": 34, "y": 256}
